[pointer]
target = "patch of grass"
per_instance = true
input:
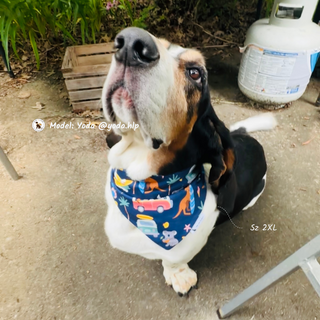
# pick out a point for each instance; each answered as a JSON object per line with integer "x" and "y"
{"x": 34, "y": 20}
{"x": 136, "y": 19}
{"x": 31, "y": 20}
{"x": 268, "y": 7}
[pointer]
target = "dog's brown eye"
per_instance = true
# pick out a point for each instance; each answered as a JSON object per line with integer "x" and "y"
{"x": 195, "y": 74}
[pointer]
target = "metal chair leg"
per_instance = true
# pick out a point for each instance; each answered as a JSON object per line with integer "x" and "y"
{"x": 311, "y": 268}
{"x": 304, "y": 258}
{"x": 7, "y": 164}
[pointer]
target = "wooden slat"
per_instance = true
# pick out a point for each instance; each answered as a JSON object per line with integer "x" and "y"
{"x": 70, "y": 59}
{"x": 85, "y": 94}
{"x": 83, "y": 71}
{"x": 86, "y": 67}
{"x": 93, "y": 60}
{"x": 94, "y": 48}
{"x": 87, "y": 105}
{"x": 65, "y": 63}
{"x": 85, "y": 83}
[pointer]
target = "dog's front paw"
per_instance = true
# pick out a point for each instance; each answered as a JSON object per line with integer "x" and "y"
{"x": 180, "y": 277}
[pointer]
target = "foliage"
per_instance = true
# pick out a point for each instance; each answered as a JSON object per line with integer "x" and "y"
{"x": 200, "y": 23}
{"x": 268, "y": 7}
{"x": 32, "y": 20}
{"x": 31, "y": 23}
{"x": 196, "y": 23}
{"x": 35, "y": 20}
{"x": 202, "y": 10}
{"x": 130, "y": 8}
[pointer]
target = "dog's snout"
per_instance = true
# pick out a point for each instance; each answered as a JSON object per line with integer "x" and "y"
{"x": 136, "y": 48}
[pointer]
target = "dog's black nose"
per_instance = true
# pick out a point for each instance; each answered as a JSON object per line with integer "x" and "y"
{"x": 136, "y": 48}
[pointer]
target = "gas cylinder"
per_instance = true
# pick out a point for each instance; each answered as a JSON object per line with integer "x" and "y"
{"x": 280, "y": 53}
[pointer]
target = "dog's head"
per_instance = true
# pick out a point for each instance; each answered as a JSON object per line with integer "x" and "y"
{"x": 164, "y": 88}
{"x": 155, "y": 84}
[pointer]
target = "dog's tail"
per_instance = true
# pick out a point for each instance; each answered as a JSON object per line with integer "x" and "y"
{"x": 265, "y": 121}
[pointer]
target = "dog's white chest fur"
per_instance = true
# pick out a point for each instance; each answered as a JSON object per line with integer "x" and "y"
{"x": 124, "y": 236}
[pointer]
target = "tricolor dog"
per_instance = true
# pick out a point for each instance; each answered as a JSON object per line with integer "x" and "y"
{"x": 182, "y": 172}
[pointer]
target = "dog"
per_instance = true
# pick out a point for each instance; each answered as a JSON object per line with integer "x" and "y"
{"x": 180, "y": 143}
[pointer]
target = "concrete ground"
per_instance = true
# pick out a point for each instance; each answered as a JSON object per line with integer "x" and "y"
{"x": 56, "y": 262}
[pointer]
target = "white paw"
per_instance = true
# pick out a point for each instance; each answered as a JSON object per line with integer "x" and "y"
{"x": 180, "y": 277}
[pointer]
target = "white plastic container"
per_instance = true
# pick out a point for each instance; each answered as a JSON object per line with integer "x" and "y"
{"x": 280, "y": 53}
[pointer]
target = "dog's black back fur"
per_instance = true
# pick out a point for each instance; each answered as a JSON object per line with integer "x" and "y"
{"x": 247, "y": 182}
{"x": 238, "y": 186}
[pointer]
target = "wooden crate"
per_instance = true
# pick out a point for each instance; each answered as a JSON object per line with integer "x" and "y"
{"x": 85, "y": 69}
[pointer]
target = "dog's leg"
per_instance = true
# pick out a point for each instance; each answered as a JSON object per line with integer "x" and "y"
{"x": 179, "y": 276}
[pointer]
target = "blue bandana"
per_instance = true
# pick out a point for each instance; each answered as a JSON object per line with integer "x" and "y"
{"x": 165, "y": 208}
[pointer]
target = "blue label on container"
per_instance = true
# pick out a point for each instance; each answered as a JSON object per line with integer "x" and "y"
{"x": 294, "y": 90}
{"x": 313, "y": 60}
{"x": 281, "y": 54}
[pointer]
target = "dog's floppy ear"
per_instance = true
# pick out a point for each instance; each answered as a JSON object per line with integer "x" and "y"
{"x": 227, "y": 192}
{"x": 222, "y": 177}
{"x": 222, "y": 134}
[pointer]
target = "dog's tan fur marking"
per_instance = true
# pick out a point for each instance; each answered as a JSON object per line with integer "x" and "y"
{"x": 181, "y": 110}
{"x": 228, "y": 157}
{"x": 166, "y": 154}
{"x": 215, "y": 183}
{"x": 164, "y": 42}
{"x": 193, "y": 55}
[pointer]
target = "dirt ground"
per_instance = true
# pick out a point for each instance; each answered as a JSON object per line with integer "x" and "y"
{"x": 56, "y": 262}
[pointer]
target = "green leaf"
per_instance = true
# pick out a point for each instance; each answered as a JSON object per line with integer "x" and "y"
{"x": 83, "y": 31}
{"x": 34, "y": 47}
{"x": 75, "y": 14}
{"x": 139, "y": 24}
{"x": 13, "y": 33}
{"x": 21, "y": 22}
{"x": 5, "y": 38}
{"x": 41, "y": 28}
{"x": 128, "y": 9}
{"x": 93, "y": 33}
{"x": 65, "y": 32}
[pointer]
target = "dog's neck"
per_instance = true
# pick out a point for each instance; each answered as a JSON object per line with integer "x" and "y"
{"x": 202, "y": 145}
{"x": 141, "y": 161}
{"x": 132, "y": 155}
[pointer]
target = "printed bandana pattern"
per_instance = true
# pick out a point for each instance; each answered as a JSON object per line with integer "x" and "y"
{"x": 165, "y": 208}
